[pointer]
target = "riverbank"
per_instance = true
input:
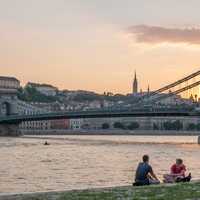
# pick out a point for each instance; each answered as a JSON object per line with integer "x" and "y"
{"x": 109, "y": 132}
{"x": 185, "y": 191}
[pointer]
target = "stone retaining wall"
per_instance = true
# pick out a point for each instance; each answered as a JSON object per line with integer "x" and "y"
{"x": 9, "y": 130}
{"x": 108, "y": 132}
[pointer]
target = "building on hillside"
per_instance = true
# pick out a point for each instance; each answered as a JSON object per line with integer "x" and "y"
{"x": 45, "y": 89}
{"x": 9, "y": 85}
{"x": 50, "y": 107}
{"x": 42, "y": 105}
{"x": 95, "y": 105}
{"x": 28, "y": 109}
{"x": 57, "y": 107}
{"x": 107, "y": 104}
{"x": 9, "y": 82}
{"x": 172, "y": 100}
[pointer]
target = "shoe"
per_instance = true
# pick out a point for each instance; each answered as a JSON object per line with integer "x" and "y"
{"x": 188, "y": 178}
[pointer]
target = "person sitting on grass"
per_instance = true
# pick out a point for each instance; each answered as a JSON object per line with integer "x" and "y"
{"x": 144, "y": 173}
{"x": 177, "y": 173}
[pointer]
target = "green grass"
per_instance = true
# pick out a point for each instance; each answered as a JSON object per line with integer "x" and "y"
{"x": 172, "y": 192}
{"x": 187, "y": 191}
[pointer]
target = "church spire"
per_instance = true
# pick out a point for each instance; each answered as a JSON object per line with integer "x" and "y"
{"x": 135, "y": 84}
{"x": 148, "y": 89}
{"x": 135, "y": 76}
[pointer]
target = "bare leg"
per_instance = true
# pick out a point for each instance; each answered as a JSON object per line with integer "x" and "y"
{"x": 168, "y": 178}
{"x": 152, "y": 181}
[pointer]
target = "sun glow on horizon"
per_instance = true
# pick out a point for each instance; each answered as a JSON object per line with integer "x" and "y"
{"x": 76, "y": 45}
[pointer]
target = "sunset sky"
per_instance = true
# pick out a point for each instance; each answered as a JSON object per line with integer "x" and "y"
{"x": 97, "y": 44}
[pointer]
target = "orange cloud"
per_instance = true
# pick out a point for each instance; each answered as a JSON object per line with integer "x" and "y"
{"x": 157, "y": 34}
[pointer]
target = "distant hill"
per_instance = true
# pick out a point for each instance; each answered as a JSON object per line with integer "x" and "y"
{"x": 31, "y": 94}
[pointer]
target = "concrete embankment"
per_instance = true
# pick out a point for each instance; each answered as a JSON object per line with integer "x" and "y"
{"x": 158, "y": 192}
{"x": 9, "y": 130}
{"x": 109, "y": 132}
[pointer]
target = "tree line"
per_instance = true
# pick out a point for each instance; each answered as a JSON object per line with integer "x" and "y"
{"x": 120, "y": 125}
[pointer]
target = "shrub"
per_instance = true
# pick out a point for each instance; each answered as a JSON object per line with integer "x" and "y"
{"x": 133, "y": 126}
{"x": 119, "y": 125}
{"x": 176, "y": 125}
{"x": 191, "y": 127}
{"x": 105, "y": 126}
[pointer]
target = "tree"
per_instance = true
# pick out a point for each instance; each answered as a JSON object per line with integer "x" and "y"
{"x": 105, "y": 126}
{"x": 85, "y": 126}
{"x": 155, "y": 126}
{"x": 167, "y": 125}
{"x": 119, "y": 125}
{"x": 133, "y": 126}
{"x": 30, "y": 94}
{"x": 20, "y": 94}
{"x": 198, "y": 126}
{"x": 191, "y": 126}
{"x": 177, "y": 125}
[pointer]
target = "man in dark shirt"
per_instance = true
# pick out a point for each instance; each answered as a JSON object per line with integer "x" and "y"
{"x": 144, "y": 173}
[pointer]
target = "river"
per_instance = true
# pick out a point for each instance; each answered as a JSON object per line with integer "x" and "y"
{"x": 79, "y": 162}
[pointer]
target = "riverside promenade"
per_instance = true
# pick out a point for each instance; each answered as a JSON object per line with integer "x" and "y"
{"x": 186, "y": 191}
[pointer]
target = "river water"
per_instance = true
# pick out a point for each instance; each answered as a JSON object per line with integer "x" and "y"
{"x": 79, "y": 162}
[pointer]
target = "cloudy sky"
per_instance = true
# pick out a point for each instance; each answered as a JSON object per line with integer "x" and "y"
{"x": 97, "y": 44}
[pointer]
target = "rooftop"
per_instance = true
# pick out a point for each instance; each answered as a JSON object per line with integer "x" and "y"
{"x": 8, "y": 78}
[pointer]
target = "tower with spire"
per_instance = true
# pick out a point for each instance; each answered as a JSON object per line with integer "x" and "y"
{"x": 135, "y": 84}
{"x": 148, "y": 89}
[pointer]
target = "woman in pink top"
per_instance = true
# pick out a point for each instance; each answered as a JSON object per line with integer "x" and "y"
{"x": 177, "y": 173}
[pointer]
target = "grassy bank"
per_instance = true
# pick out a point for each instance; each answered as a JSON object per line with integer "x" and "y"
{"x": 176, "y": 192}
{"x": 187, "y": 191}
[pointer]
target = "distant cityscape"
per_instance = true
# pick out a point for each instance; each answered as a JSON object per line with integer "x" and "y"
{"x": 36, "y": 98}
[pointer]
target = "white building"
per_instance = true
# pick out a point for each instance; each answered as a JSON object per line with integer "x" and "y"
{"x": 9, "y": 85}
{"x": 95, "y": 105}
{"x": 45, "y": 89}
{"x": 9, "y": 82}
{"x": 76, "y": 124}
{"x": 172, "y": 100}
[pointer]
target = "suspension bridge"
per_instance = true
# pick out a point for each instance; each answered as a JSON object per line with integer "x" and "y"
{"x": 11, "y": 119}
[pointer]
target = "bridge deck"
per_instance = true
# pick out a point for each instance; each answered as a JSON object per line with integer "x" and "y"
{"x": 15, "y": 119}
